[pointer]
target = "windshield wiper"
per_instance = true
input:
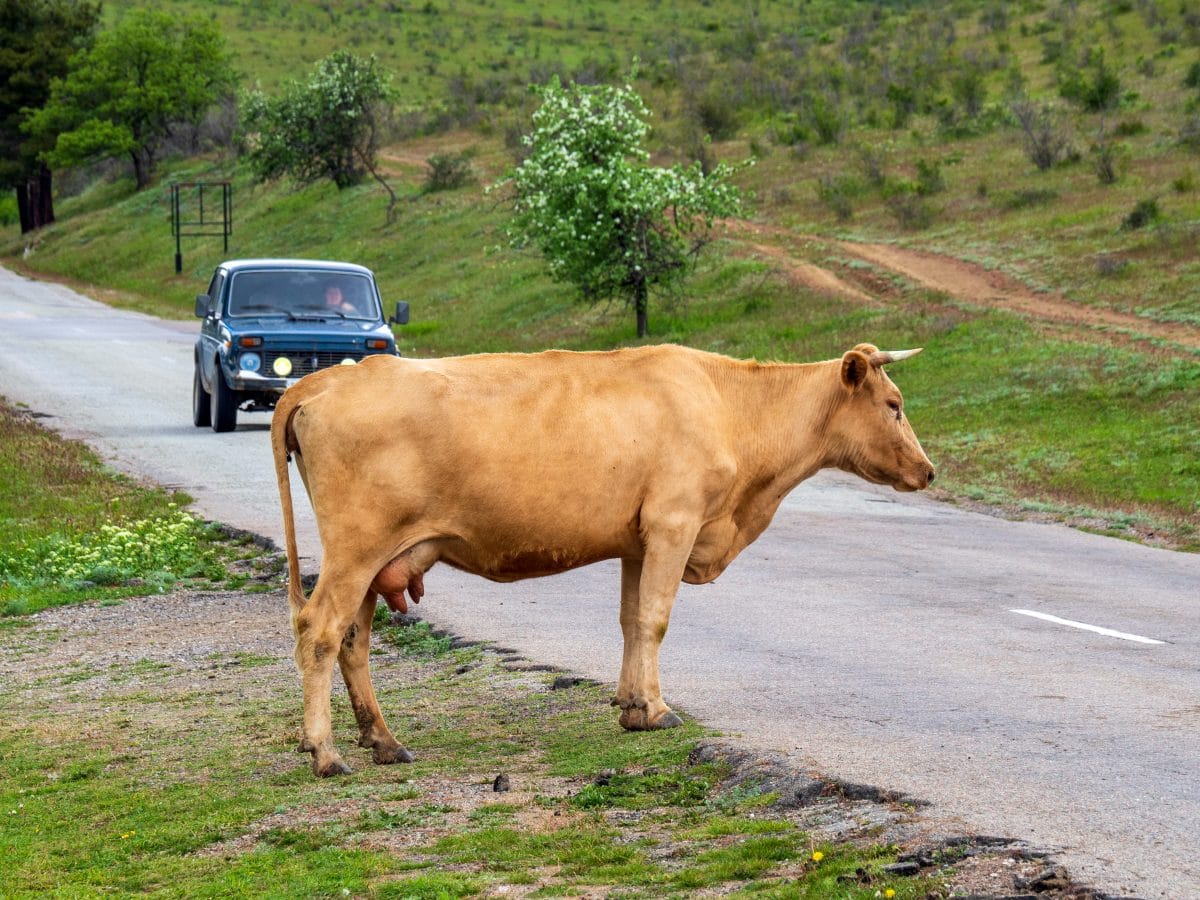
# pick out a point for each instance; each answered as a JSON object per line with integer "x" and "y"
{"x": 261, "y": 307}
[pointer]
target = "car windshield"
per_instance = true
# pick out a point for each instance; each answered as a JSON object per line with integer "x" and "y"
{"x": 293, "y": 293}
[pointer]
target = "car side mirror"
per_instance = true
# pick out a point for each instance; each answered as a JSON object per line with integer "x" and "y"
{"x": 401, "y": 316}
{"x": 203, "y": 305}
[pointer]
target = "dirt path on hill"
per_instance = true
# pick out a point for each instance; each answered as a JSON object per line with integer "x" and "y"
{"x": 958, "y": 278}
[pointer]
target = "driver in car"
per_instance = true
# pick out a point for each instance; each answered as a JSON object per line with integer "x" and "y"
{"x": 336, "y": 302}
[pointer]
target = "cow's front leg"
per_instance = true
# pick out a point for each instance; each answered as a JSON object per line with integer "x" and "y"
{"x": 320, "y": 627}
{"x": 353, "y": 659}
{"x": 648, "y": 591}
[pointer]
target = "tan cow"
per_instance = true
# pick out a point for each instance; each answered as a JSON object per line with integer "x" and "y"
{"x": 512, "y": 466}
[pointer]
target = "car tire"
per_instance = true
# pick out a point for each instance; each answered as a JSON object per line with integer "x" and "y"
{"x": 201, "y": 403}
{"x": 224, "y": 407}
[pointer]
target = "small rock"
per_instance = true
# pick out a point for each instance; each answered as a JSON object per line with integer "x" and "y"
{"x": 605, "y": 776}
{"x": 501, "y": 784}
{"x": 903, "y": 868}
{"x": 1051, "y": 879}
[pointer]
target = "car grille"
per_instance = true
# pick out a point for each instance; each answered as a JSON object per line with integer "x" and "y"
{"x": 306, "y": 361}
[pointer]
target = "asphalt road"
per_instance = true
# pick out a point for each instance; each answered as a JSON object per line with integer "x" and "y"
{"x": 868, "y": 635}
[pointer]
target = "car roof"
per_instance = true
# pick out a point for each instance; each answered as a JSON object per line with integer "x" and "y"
{"x": 320, "y": 265}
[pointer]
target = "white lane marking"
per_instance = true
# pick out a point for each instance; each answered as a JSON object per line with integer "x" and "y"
{"x": 1108, "y": 632}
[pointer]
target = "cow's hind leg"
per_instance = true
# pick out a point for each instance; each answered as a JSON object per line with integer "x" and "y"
{"x": 353, "y": 659}
{"x": 647, "y": 593}
{"x": 320, "y": 627}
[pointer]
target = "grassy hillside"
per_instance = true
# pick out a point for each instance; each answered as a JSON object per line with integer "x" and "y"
{"x": 1070, "y": 415}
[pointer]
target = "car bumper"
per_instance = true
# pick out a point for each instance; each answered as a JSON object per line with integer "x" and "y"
{"x": 252, "y": 381}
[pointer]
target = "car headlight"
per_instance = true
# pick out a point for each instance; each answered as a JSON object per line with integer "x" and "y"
{"x": 282, "y": 366}
{"x": 348, "y": 361}
{"x": 250, "y": 362}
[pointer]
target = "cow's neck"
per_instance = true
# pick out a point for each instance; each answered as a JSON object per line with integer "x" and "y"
{"x": 781, "y": 414}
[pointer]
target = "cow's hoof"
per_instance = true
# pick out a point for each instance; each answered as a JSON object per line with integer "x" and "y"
{"x": 385, "y": 756}
{"x": 328, "y": 769}
{"x": 669, "y": 720}
{"x": 638, "y": 719}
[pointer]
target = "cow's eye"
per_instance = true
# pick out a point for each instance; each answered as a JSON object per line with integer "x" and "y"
{"x": 894, "y": 407}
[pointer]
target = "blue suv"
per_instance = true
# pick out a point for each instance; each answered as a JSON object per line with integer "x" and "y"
{"x": 269, "y": 322}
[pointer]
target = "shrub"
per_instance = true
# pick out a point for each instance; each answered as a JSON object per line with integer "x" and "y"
{"x": 448, "y": 171}
{"x": 1189, "y": 133}
{"x": 824, "y": 115}
{"x": 838, "y": 192}
{"x": 717, "y": 114}
{"x": 930, "y": 179}
{"x": 1146, "y": 212}
{"x": 1046, "y": 140}
{"x": 1184, "y": 184}
{"x": 911, "y": 210}
{"x": 327, "y": 126}
{"x": 1105, "y": 158}
{"x": 1095, "y": 86}
{"x": 994, "y": 18}
{"x": 1192, "y": 78}
{"x": 1027, "y": 198}
{"x": 1110, "y": 266}
{"x": 871, "y": 158}
{"x": 789, "y": 131}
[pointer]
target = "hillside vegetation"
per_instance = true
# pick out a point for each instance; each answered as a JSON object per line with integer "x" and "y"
{"x": 899, "y": 200}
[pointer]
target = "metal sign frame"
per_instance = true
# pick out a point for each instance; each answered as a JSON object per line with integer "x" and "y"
{"x": 201, "y": 225}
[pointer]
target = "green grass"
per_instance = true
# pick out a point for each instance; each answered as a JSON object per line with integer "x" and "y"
{"x": 178, "y": 792}
{"x": 416, "y": 639}
{"x": 74, "y": 530}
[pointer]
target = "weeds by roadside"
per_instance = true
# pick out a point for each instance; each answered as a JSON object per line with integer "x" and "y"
{"x": 75, "y": 530}
{"x": 187, "y": 781}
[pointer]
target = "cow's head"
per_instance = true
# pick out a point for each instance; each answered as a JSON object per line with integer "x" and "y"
{"x": 871, "y": 434}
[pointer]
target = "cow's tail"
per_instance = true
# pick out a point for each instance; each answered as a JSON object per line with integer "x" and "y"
{"x": 283, "y": 443}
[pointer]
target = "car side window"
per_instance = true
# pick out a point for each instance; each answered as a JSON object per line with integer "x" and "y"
{"x": 214, "y": 291}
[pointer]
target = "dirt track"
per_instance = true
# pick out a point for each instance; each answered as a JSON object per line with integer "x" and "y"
{"x": 962, "y": 280}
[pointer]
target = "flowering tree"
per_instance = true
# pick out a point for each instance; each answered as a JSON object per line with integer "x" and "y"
{"x": 605, "y": 221}
{"x": 328, "y": 126}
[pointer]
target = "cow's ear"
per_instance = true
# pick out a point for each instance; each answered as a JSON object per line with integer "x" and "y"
{"x": 855, "y": 367}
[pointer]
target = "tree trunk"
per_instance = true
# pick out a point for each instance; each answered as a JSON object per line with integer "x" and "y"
{"x": 23, "y": 207}
{"x": 35, "y": 200}
{"x": 143, "y": 166}
{"x": 640, "y": 304}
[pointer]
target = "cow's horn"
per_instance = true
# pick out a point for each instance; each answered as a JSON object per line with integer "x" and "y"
{"x": 883, "y": 357}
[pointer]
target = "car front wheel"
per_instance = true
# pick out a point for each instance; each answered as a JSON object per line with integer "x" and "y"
{"x": 224, "y": 405}
{"x": 201, "y": 408}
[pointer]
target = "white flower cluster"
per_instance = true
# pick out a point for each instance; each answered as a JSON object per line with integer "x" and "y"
{"x": 161, "y": 544}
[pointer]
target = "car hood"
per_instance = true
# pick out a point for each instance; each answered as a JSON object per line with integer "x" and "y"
{"x": 307, "y": 326}
{"x": 275, "y": 329}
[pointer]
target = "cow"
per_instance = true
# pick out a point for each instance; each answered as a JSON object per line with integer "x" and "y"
{"x": 515, "y": 466}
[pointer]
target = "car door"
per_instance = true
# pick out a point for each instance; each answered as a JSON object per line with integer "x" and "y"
{"x": 208, "y": 343}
